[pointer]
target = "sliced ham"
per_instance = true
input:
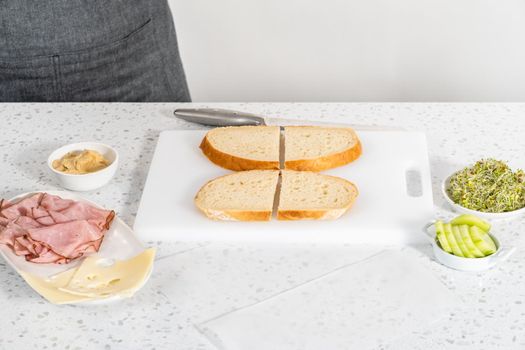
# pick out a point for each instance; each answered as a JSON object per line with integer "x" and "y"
{"x": 3, "y": 222}
{"x": 81, "y": 211}
{"x": 27, "y": 222}
{"x": 10, "y": 232}
{"x": 39, "y": 212}
{"x": 48, "y": 229}
{"x": 46, "y": 221}
{"x": 3, "y": 203}
{"x": 91, "y": 247}
{"x": 20, "y": 249}
{"x": 25, "y": 244}
{"x": 22, "y": 208}
{"x": 59, "y": 217}
{"x": 52, "y": 202}
{"x": 47, "y": 256}
{"x": 65, "y": 238}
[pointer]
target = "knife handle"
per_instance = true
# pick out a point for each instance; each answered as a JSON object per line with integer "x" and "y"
{"x": 218, "y": 117}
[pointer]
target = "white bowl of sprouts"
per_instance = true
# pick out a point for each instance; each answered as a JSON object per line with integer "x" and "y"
{"x": 488, "y": 189}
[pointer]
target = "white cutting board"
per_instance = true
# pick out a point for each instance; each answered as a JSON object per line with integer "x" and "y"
{"x": 384, "y": 212}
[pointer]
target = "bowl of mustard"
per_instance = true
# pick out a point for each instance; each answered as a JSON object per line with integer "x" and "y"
{"x": 83, "y": 166}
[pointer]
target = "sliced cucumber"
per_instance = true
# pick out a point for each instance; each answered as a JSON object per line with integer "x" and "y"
{"x": 442, "y": 238}
{"x": 450, "y": 237}
{"x": 471, "y": 220}
{"x": 490, "y": 242}
{"x": 465, "y": 235}
{"x": 461, "y": 243}
{"x": 482, "y": 241}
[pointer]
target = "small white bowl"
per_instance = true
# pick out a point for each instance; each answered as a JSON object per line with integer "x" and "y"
{"x": 85, "y": 182}
{"x": 468, "y": 264}
{"x": 461, "y": 209}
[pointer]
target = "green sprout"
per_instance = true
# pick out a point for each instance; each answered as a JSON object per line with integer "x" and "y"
{"x": 488, "y": 186}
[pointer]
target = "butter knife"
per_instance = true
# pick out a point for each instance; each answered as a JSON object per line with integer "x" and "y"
{"x": 225, "y": 117}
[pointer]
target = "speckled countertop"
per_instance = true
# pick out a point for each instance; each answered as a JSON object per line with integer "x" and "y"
{"x": 194, "y": 282}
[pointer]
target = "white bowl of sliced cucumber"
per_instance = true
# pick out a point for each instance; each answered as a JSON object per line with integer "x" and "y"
{"x": 465, "y": 244}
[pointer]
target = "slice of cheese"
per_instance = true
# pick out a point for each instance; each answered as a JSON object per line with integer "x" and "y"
{"x": 95, "y": 280}
{"x": 49, "y": 288}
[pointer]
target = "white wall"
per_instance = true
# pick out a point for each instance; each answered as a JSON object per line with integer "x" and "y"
{"x": 353, "y": 50}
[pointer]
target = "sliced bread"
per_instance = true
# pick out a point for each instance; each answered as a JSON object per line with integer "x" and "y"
{"x": 309, "y": 195}
{"x": 243, "y": 147}
{"x": 249, "y": 196}
{"x": 313, "y": 148}
{"x": 241, "y": 196}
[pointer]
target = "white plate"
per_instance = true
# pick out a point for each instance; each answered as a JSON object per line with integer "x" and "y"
{"x": 119, "y": 243}
{"x": 481, "y": 214}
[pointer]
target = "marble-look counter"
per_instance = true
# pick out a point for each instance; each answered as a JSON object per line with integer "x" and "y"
{"x": 194, "y": 282}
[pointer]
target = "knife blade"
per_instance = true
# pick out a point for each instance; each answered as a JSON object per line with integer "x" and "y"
{"x": 225, "y": 117}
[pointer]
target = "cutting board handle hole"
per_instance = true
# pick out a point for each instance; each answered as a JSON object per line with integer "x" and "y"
{"x": 414, "y": 185}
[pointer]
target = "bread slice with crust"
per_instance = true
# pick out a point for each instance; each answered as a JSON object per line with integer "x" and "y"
{"x": 250, "y": 195}
{"x": 243, "y": 147}
{"x": 241, "y": 196}
{"x": 310, "y": 195}
{"x": 313, "y": 148}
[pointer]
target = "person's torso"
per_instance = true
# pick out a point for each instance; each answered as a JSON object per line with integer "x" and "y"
{"x": 45, "y": 27}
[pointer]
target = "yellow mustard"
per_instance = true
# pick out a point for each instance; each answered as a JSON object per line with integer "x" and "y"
{"x": 81, "y": 162}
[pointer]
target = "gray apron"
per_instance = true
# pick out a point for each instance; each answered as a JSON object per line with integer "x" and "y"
{"x": 89, "y": 50}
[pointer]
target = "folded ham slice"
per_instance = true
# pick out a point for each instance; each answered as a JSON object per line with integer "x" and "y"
{"x": 65, "y": 238}
{"x": 10, "y": 232}
{"x": 48, "y": 229}
{"x": 22, "y": 208}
